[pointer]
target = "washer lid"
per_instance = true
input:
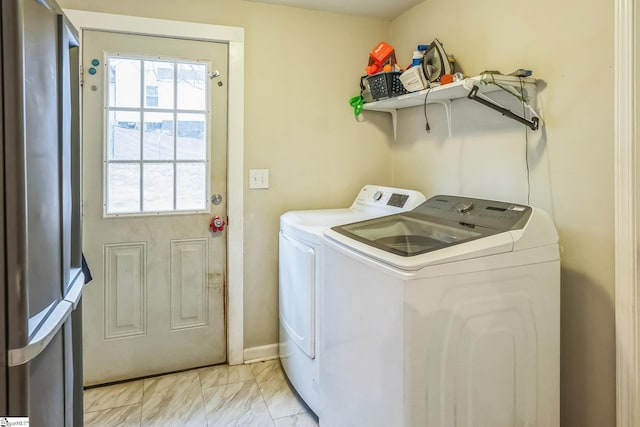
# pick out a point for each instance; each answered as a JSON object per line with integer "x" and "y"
{"x": 446, "y": 229}
{"x": 411, "y": 234}
{"x": 439, "y": 222}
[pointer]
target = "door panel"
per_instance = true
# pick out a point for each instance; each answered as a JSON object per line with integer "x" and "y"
{"x": 297, "y": 292}
{"x": 157, "y": 300}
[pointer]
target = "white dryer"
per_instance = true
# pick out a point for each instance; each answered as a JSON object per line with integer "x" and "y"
{"x": 445, "y": 316}
{"x": 299, "y": 261}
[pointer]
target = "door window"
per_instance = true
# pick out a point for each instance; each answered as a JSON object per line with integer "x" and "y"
{"x": 156, "y": 143}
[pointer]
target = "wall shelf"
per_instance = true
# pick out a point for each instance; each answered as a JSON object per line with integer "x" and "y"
{"x": 461, "y": 89}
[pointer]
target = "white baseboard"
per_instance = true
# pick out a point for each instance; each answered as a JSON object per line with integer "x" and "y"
{"x": 260, "y": 353}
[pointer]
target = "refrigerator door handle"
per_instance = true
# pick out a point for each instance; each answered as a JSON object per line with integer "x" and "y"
{"x": 45, "y": 334}
{"x": 74, "y": 292}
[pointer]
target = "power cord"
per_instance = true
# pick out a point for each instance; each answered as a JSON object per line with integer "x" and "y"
{"x": 426, "y": 119}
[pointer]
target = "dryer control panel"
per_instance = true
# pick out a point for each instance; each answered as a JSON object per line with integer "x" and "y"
{"x": 387, "y": 198}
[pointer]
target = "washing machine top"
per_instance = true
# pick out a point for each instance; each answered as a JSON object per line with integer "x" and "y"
{"x": 372, "y": 201}
{"x": 447, "y": 228}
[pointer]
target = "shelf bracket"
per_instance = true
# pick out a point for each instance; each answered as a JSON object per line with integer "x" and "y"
{"x": 447, "y": 107}
{"x": 394, "y": 122}
{"x": 533, "y": 123}
{"x": 394, "y": 115}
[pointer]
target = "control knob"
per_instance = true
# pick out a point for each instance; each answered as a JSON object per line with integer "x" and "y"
{"x": 464, "y": 207}
{"x": 377, "y": 195}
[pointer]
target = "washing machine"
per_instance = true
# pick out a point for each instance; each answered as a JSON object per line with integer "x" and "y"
{"x": 299, "y": 268}
{"x": 444, "y": 316}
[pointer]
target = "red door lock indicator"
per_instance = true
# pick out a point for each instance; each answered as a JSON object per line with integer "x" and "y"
{"x": 216, "y": 224}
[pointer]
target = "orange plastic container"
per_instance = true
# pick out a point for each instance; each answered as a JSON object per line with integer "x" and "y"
{"x": 382, "y": 52}
{"x": 381, "y": 55}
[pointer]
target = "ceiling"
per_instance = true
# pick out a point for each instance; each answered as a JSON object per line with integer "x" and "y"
{"x": 384, "y": 9}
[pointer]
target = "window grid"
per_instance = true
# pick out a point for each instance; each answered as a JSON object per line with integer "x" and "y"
{"x": 144, "y": 109}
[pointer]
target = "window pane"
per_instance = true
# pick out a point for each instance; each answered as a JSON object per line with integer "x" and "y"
{"x": 191, "y": 186}
{"x": 170, "y": 149}
{"x": 191, "y": 87}
{"x": 151, "y": 96}
{"x": 158, "y": 136}
{"x": 158, "y": 84}
{"x": 124, "y": 188}
{"x": 191, "y": 131}
{"x": 124, "y": 82}
{"x": 123, "y": 139}
{"x": 158, "y": 187}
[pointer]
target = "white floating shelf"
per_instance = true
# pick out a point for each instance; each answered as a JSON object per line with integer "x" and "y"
{"x": 446, "y": 93}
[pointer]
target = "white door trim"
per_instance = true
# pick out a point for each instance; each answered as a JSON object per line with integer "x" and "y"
{"x": 626, "y": 211}
{"x": 234, "y": 36}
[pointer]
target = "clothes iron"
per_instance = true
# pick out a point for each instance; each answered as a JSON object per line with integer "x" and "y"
{"x": 436, "y": 62}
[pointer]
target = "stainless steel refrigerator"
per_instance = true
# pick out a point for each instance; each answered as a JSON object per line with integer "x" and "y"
{"x": 40, "y": 213}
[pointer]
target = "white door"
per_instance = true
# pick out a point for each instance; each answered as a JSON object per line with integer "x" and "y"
{"x": 154, "y": 153}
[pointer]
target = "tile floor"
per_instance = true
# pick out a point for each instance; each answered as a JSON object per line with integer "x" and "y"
{"x": 255, "y": 395}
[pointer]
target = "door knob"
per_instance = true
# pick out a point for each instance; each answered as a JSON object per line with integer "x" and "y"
{"x": 216, "y": 199}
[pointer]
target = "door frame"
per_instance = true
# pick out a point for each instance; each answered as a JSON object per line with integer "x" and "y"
{"x": 626, "y": 213}
{"x": 234, "y": 37}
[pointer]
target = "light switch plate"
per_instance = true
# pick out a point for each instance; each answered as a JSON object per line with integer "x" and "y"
{"x": 258, "y": 178}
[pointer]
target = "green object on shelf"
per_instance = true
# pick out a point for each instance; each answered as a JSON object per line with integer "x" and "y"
{"x": 357, "y": 103}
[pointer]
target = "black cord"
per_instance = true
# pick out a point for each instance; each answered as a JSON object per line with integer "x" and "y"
{"x": 426, "y": 119}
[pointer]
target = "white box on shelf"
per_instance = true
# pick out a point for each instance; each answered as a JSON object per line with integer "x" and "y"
{"x": 414, "y": 79}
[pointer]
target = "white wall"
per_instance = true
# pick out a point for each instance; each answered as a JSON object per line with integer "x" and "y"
{"x": 568, "y": 47}
{"x": 301, "y": 69}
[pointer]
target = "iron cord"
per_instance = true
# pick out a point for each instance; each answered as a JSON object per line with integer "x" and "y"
{"x": 426, "y": 119}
